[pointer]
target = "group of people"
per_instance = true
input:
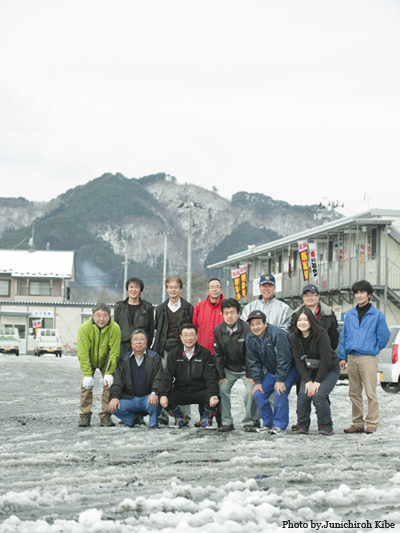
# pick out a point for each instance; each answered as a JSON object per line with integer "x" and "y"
{"x": 158, "y": 362}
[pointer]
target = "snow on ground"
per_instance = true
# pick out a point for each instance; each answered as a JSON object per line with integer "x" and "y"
{"x": 56, "y": 477}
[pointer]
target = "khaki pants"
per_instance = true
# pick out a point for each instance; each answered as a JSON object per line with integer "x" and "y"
{"x": 362, "y": 371}
{"x": 87, "y": 397}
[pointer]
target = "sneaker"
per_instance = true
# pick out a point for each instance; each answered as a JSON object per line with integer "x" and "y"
{"x": 84, "y": 421}
{"x": 264, "y": 428}
{"x": 198, "y": 424}
{"x": 302, "y": 429}
{"x": 106, "y": 421}
{"x": 275, "y": 430}
{"x": 295, "y": 427}
{"x": 250, "y": 429}
{"x": 325, "y": 429}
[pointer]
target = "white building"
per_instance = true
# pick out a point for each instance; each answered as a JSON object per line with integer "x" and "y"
{"x": 364, "y": 246}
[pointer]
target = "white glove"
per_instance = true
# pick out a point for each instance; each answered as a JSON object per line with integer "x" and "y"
{"x": 108, "y": 379}
{"x": 88, "y": 383}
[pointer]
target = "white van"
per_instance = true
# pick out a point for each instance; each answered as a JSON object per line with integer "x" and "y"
{"x": 48, "y": 341}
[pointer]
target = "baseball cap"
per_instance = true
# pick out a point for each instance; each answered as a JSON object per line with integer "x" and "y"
{"x": 267, "y": 278}
{"x": 256, "y": 314}
{"x": 311, "y": 288}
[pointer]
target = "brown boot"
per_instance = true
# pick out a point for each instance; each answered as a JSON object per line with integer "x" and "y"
{"x": 354, "y": 429}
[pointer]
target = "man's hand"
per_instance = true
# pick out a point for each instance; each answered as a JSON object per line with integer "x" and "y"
{"x": 153, "y": 399}
{"x": 256, "y": 388}
{"x": 280, "y": 387}
{"x": 213, "y": 402}
{"x": 108, "y": 379}
{"x": 164, "y": 401}
{"x": 88, "y": 382}
{"x": 114, "y": 405}
{"x": 249, "y": 380}
{"x": 343, "y": 364}
{"x": 222, "y": 380}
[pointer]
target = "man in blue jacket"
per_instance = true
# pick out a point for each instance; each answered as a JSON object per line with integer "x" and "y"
{"x": 365, "y": 334}
{"x": 268, "y": 347}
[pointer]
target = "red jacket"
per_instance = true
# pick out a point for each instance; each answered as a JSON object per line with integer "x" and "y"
{"x": 205, "y": 317}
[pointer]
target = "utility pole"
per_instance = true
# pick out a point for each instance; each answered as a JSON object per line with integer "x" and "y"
{"x": 189, "y": 205}
{"x": 165, "y": 233}
{"x": 125, "y": 263}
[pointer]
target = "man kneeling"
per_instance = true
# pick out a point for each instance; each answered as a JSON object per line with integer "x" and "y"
{"x": 136, "y": 383}
{"x": 189, "y": 378}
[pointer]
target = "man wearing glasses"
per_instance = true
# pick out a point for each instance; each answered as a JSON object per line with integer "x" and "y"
{"x": 190, "y": 378}
{"x": 207, "y": 314}
{"x": 324, "y": 314}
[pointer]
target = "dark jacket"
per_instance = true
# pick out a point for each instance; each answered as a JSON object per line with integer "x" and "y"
{"x": 319, "y": 348}
{"x": 190, "y": 376}
{"x": 161, "y": 323}
{"x": 122, "y": 388}
{"x": 230, "y": 351}
{"x": 275, "y": 354}
{"x": 144, "y": 319}
{"x": 327, "y": 318}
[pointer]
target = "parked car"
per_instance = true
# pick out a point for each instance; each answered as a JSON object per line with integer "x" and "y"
{"x": 389, "y": 363}
{"x": 9, "y": 340}
{"x": 48, "y": 341}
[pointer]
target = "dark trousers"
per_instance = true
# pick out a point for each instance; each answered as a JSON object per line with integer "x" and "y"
{"x": 177, "y": 397}
{"x": 319, "y": 399}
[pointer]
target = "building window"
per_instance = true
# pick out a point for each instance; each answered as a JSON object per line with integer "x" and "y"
{"x": 4, "y": 287}
{"x": 39, "y": 288}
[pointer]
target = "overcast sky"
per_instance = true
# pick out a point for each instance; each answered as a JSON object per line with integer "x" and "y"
{"x": 299, "y": 100}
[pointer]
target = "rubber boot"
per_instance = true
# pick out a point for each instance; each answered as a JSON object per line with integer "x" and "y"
{"x": 179, "y": 417}
{"x": 206, "y": 419}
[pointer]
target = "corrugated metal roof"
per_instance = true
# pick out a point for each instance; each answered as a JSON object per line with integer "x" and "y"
{"x": 37, "y": 264}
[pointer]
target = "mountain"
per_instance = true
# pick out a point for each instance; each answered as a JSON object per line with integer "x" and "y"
{"x": 112, "y": 215}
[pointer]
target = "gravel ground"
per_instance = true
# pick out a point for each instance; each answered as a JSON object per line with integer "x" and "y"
{"x": 56, "y": 477}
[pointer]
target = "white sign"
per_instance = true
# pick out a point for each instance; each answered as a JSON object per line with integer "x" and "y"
{"x": 42, "y": 312}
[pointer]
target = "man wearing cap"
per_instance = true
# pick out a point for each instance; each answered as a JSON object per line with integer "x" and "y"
{"x": 277, "y": 313}
{"x": 268, "y": 347}
{"x": 324, "y": 314}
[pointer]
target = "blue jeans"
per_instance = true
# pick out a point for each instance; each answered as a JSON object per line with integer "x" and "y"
{"x": 279, "y": 416}
{"x": 129, "y": 408}
{"x": 319, "y": 399}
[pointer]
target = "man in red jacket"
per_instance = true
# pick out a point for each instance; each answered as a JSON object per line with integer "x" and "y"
{"x": 207, "y": 314}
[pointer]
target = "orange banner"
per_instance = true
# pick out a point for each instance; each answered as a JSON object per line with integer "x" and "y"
{"x": 243, "y": 274}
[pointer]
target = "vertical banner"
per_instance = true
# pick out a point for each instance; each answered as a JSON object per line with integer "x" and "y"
{"x": 243, "y": 273}
{"x": 288, "y": 262}
{"x": 303, "y": 258}
{"x": 36, "y": 324}
{"x": 236, "y": 283}
{"x": 312, "y": 247}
